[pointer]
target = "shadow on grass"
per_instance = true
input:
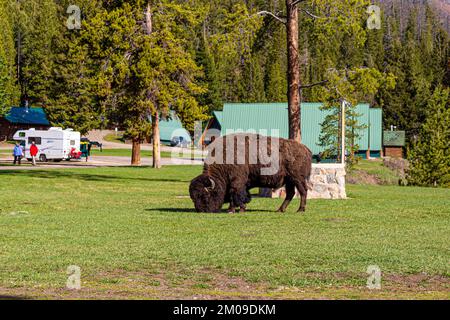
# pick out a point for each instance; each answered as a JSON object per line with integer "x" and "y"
{"x": 173, "y": 210}
{"x": 192, "y": 210}
{"x": 56, "y": 174}
{"x": 7, "y": 297}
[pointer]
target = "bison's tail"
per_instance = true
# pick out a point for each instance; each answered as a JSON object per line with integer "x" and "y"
{"x": 309, "y": 184}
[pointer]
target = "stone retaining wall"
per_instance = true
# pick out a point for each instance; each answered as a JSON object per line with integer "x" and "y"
{"x": 327, "y": 180}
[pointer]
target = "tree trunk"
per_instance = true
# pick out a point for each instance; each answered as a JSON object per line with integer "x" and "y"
{"x": 293, "y": 72}
{"x": 156, "y": 142}
{"x": 155, "y": 118}
{"x": 136, "y": 152}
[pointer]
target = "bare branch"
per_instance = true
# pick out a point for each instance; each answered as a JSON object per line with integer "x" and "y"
{"x": 276, "y": 17}
{"x": 297, "y": 2}
{"x": 311, "y": 15}
{"x": 306, "y": 86}
{"x": 148, "y": 19}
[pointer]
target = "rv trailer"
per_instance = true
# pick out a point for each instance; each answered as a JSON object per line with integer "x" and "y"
{"x": 53, "y": 144}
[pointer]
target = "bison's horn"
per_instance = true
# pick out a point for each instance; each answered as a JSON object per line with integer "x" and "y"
{"x": 213, "y": 184}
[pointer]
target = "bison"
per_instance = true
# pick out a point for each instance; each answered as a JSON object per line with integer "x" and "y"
{"x": 239, "y": 162}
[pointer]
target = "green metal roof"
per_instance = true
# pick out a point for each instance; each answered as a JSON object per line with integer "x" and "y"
{"x": 265, "y": 117}
{"x": 363, "y": 120}
{"x": 30, "y": 116}
{"x": 394, "y": 138}
{"x": 256, "y": 116}
{"x": 376, "y": 128}
{"x": 172, "y": 127}
{"x": 219, "y": 116}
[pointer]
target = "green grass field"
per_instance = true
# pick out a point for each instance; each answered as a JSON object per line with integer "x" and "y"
{"x": 113, "y": 152}
{"x": 126, "y": 153}
{"x": 134, "y": 234}
{"x": 111, "y": 137}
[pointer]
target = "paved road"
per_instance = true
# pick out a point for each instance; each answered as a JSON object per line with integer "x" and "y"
{"x": 94, "y": 161}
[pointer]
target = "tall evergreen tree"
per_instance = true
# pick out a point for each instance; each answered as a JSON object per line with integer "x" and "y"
{"x": 144, "y": 68}
{"x": 430, "y": 155}
{"x": 275, "y": 76}
{"x": 36, "y": 26}
{"x": 73, "y": 96}
{"x": 8, "y": 88}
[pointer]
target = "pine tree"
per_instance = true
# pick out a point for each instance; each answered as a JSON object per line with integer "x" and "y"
{"x": 430, "y": 156}
{"x": 144, "y": 69}
{"x": 354, "y": 86}
{"x": 73, "y": 97}
{"x": 275, "y": 78}
{"x": 8, "y": 88}
{"x": 36, "y": 24}
{"x": 212, "y": 98}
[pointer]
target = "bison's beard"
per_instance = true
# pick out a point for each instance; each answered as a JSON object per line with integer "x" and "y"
{"x": 206, "y": 196}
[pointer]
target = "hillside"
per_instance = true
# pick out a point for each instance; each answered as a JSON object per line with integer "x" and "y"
{"x": 443, "y": 9}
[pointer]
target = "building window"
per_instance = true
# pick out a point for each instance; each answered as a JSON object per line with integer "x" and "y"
{"x": 36, "y": 140}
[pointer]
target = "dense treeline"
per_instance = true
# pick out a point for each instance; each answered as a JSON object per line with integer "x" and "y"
{"x": 211, "y": 51}
{"x": 243, "y": 59}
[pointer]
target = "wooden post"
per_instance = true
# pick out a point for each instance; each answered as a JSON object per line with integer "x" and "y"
{"x": 156, "y": 141}
{"x": 343, "y": 132}
{"x": 155, "y": 118}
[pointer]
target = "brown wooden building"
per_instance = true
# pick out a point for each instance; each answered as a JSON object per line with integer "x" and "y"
{"x": 22, "y": 118}
{"x": 394, "y": 143}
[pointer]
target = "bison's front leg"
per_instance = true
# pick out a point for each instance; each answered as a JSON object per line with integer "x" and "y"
{"x": 238, "y": 198}
{"x": 233, "y": 209}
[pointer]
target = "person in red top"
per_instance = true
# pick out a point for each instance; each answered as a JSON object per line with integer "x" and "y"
{"x": 33, "y": 152}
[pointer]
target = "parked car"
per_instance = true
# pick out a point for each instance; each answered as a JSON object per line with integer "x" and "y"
{"x": 179, "y": 142}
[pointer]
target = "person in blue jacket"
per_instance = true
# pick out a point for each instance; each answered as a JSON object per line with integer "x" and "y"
{"x": 18, "y": 153}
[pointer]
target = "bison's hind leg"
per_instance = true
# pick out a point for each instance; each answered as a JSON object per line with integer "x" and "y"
{"x": 302, "y": 188}
{"x": 290, "y": 193}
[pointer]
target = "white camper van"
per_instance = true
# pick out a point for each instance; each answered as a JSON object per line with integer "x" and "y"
{"x": 53, "y": 144}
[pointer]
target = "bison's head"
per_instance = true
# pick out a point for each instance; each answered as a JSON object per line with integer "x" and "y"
{"x": 206, "y": 194}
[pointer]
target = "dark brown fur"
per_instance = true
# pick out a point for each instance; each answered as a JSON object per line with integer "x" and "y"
{"x": 222, "y": 182}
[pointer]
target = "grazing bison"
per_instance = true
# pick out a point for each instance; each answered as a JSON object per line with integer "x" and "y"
{"x": 239, "y": 162}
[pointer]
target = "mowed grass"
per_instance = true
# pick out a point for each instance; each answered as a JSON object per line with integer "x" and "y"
{"x": 140, "y": 220}
{"x": 127, "y": 153}
{"x": 124, "y": 153}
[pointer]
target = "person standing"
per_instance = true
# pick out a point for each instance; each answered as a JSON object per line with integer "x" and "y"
{"x": 33, "y": 152}
{"x": 17, "y": 153}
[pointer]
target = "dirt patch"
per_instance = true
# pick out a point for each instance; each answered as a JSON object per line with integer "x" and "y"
{"x": 362, "y": 177}
{"x": 211, "y": 284}
{"x": 396, "y": 164}
{"x": 399, "y": 166}
{"x": 418, "y": 282}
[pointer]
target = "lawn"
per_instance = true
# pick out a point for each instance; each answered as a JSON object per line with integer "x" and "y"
{"x": 125, "y": 153}
{"x": 115, "y": 152}
{"x": 134, "y": 234}
{"x": 144, "y": 153}
{"x": 112, "y": 137}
